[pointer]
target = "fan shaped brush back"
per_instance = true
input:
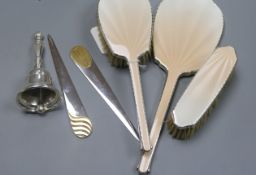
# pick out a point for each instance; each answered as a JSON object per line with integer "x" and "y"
{"x": 126, "y": 26}
{"x": 186, "y": 33}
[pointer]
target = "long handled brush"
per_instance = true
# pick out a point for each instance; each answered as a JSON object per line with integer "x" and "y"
{"x": 125, "y": 26}
{"x": 186, "y": 32}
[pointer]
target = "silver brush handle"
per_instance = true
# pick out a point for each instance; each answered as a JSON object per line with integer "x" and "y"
{"x": 145, "y": 163}
{"x": 142, "y": 122}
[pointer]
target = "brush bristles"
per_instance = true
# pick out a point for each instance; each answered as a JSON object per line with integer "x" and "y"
{"x": 118, "y": 61}
{"x": 187, "y": 132}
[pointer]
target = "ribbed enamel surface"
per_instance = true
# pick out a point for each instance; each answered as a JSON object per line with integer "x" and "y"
{"x": 205, "y": 87}
{"x": 186, "y": 33}
{"x": 126, "y": 26}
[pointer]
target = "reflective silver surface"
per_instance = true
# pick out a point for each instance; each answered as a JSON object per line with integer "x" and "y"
{"x": 90, "y": 70}
{"x": 45, "y": 146}
{"x": 80, "y": 123}
{"x": 39, "y": 94}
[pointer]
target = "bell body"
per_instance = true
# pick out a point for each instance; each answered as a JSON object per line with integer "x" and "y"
{"x": 39, "y": 94}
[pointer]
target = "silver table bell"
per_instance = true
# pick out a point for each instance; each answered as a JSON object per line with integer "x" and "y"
{"x": 39, "y": 94}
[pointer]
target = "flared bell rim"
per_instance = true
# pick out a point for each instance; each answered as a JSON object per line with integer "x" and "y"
{"x": 29, "y": 102}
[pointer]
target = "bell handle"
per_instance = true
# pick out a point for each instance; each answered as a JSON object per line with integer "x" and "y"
{"x": 39, "y": 49}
